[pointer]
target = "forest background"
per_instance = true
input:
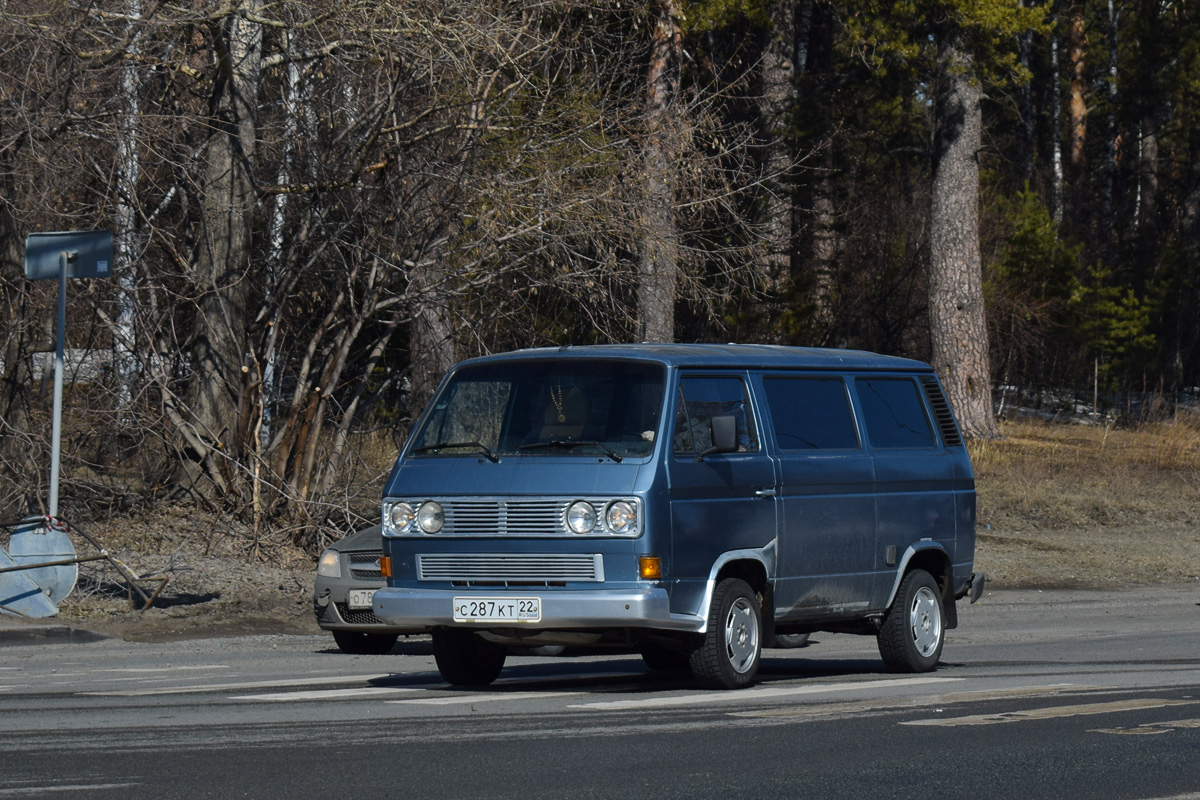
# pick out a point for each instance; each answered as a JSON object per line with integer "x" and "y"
{"x": 319, "y": 207}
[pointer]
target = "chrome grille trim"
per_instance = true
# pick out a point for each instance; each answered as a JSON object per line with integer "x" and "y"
{"x": 587, "y": 567}
{"x": 506, "y": 516}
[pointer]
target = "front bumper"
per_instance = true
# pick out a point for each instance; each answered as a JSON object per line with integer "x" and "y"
{"x": 561, "y": 609}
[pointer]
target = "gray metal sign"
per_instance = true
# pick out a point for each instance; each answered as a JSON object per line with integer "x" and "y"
{"x": 89, "y": 254}
{"x": 62, "y": 255}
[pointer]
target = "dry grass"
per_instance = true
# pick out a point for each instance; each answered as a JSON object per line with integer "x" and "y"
{"x": 1063, "y": 504}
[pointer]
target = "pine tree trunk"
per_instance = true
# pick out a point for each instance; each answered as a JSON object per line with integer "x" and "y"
{"x": 1077, "y": 111}
{"x": 660, "y": 242}
{"x": 778, "y": 67}
{"x": 822, "y": 213}
{"x": 958, "y": 325}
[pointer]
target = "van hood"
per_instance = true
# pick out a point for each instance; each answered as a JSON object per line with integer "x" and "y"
{"x": 514, "y": 476}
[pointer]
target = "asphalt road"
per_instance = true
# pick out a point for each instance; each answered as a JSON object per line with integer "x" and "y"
{"x": 1039, "y": 694}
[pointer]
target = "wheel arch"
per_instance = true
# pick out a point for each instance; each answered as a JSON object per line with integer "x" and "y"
{"x": 755, "y": 567}
{"x": 933, "y": 558}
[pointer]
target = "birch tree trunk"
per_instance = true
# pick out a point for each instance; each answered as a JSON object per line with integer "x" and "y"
{"x": 223, "y": 265}
{"x": 660, "y": 237}
{"x": 957, "y": 320}
{"x": 1056, "y": 121}
{"x": 126, "y": 241}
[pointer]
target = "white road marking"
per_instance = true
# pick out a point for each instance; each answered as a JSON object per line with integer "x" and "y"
{"x": 329, "y": 694}
{"x": 751, "y": 695}
{"x": 180, "y": 668}
{"x": 65, "y": 787}
{"x": 1153, "y": 727}
{"x": 907, "y": 701}
{"x": 226, "y": 687}
{"x": 481, "y": 698}
{"x": 1053, "y": 712}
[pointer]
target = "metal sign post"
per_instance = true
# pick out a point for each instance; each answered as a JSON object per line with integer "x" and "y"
{"x": 62, "y": 255}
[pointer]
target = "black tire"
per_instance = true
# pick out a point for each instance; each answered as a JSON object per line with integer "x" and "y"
{"x": 914, "y": 628}
{"x": 791, "y": 640}
{"x": 364, "y": 644}
{"x": 465, "y": 659}
{"x": 664, "y": 659}
{"x": 732, "y": 648}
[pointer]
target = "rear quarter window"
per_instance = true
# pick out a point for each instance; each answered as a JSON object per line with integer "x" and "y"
{"x": 894, "y": 414}
{"x": 811, "y": 413}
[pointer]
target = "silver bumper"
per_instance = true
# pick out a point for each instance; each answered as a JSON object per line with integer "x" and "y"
{"x": 608, "y": 608}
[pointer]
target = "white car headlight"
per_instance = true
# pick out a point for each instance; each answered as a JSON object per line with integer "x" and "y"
{"x": 330, "y": 566}
{"x": 621, "y": 517}
{"x": 430, "y": 517}
{"x": 581, "y": 517}
{"x": 400, "y": 517}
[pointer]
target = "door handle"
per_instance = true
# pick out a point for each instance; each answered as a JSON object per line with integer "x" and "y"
{"x": 765, "y": 492}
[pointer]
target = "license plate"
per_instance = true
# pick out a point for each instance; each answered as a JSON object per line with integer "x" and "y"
{"x": 497, "y": 609}
{"x": 360, "y": 598}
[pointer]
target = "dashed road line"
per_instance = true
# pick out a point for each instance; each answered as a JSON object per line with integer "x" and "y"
{"x": 746, "y": 696}
{"x": 227, "y": 687}
{"x": 494, "y": 697}
{"x": 329, "y": 694}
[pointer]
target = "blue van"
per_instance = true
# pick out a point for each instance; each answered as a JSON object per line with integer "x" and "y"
{"x": 690, "y": 502}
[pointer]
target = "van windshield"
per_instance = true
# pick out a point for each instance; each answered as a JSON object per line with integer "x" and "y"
{"x": 546, "y": 407}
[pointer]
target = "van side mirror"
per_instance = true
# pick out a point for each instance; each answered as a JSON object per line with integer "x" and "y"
{"x": 724, "y": 436}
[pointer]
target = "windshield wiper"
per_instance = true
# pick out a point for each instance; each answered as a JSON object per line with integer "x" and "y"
{"x": 488, "y": 454}
{"x": 573, "y": 443}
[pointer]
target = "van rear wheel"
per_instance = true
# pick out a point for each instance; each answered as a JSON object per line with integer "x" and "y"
{"x": 729, "y": 656}
{"x": 466, "y": 659}
{"x": 913, "y": 630}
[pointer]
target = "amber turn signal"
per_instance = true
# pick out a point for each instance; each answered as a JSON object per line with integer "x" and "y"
{"x": 649, "y": 568}
{"x": 385, "y": 566}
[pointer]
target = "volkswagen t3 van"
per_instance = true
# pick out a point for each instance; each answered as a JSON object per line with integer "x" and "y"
{"x": 691, "y": 502}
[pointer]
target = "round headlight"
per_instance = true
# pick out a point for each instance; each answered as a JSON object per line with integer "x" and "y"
{"x": 401, "y": 516}
{"x": 621, "y": 517}
{"x": 581, "y": 517}
{"x": 330, "y": 565}
{"x": 430, "y": 517}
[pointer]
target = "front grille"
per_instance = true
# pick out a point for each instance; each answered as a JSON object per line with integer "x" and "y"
{"x": 365, "y": 566}
{"x": 358, "y": 616}
{"x": 501, "y": 517}
{"x": 504, "y": 567}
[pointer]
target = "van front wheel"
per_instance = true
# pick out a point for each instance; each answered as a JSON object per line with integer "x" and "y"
{"x": 465, "y": 659}
{"x": 913, "y": 631}
{"x": 728, "y": 658}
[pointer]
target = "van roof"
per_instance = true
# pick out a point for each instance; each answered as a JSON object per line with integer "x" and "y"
{"x": 743, "y": 356}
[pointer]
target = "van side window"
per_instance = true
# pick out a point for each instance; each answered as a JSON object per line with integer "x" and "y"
{"x": 894, "y": 414}
{"x": 701, "y": 399}
{"x": 811, "y": 413}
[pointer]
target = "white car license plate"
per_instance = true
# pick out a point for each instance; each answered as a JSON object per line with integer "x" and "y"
{"x": 497, "y": 609}
{"x": 360, "y": 598}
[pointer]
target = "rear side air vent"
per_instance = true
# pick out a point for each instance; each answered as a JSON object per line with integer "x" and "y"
{"x": 941, "y": 410}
